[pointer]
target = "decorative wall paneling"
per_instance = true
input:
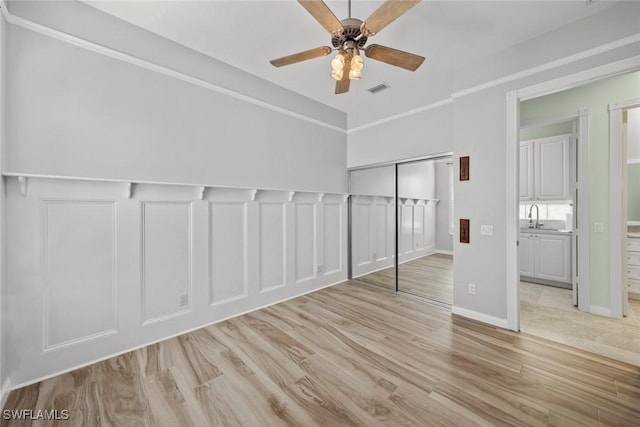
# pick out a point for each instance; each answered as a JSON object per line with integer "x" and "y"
{"x": 96, "y": 268}
{"x": 373, "y": 231}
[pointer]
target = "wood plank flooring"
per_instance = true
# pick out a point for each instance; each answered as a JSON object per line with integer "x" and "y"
{"x": 430, "y": 277}
{"x": 351, "y": 354}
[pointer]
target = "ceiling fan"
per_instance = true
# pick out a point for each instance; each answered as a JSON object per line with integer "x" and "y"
{"x": 349, "y": 36}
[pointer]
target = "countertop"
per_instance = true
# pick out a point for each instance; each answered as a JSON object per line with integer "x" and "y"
{"x": 545, "y": 231}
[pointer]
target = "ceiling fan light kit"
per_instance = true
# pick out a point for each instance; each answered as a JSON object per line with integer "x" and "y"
{"x": 349, "y": 36}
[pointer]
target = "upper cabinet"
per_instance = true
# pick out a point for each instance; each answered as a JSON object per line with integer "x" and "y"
{"x": 544, "y": 169}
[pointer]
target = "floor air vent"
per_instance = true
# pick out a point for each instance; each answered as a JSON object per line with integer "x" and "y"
{"x": 379, "y": 88}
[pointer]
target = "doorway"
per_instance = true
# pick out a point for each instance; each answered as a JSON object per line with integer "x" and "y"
{"x": 624, "y": 153}
{"x": 401, "y": 226}
{"x": 595, "y": 327}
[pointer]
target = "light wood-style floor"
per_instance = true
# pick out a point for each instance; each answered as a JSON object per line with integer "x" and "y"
{"x": 430, "y": 277}
{"x": 351, "y": 354}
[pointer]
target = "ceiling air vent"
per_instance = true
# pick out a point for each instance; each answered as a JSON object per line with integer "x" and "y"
{"x": 379, "y": 88}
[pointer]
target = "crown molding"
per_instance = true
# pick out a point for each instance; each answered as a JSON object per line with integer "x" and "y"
{"x": 550, "y": 65}
{"x": 124, "y": 57}
{"x": 401, "y": 115}
{"x": 103, "y": 50}
{"x": 506, "y": 79}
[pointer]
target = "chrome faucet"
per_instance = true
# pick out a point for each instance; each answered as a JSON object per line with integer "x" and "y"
{"x": 537, "y": 217}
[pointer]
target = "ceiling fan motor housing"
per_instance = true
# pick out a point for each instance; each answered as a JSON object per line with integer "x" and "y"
{"x": 350, "y": 32}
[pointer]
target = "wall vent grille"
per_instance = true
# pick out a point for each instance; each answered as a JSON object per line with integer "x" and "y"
{"x": 378, "y": 88}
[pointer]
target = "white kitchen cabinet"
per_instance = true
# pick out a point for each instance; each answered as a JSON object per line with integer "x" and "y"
{"x": 544, "y": 169}
{"x": 633, "y": 264}
{"x": 526, "y": 171}
{"x": 553, "y": 257}
{"x": 546, "y": 256}
{"x": 527, "y": 252}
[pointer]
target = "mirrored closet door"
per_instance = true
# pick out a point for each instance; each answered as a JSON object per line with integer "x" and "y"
{"x": 425, "y": 229}
{"x": 373, "y": 225}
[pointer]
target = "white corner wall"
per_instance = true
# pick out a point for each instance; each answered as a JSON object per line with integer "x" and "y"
{"x": 75, "y": 112}
{"x": 444, "y": 240}
{"x": 158, "y": 195}
{"x": 423, "y": 132}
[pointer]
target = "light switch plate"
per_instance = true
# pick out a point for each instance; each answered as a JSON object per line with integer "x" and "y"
{"x": 598, "y": 227}
{"x": 486, "y": 230}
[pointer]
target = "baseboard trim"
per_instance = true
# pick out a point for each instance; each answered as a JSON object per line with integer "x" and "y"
{"x": 480, "y": 317}
{"x": 100, "y": 359}
{"x": 600, "y": 310}
{"x": 4, "y": 392}
{"x": 443, "y": 252}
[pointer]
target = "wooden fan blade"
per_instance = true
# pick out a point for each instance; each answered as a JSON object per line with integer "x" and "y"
{"x": 342, "y": 86}
{"x": 321, "y": 12}
{"x": 301, "y": 56}
{"x": 386, "y": 14}
{"x": 396, "y": 57}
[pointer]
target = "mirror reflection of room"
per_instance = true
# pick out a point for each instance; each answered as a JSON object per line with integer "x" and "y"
{"x": 425, "y": 239}
{"x": 425, "y": 227}
{"x": 372, "y": 225}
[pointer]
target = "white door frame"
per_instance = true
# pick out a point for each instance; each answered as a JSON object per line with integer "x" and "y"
{"x": 513, "y": 99}
{"x": 617, "y": 216}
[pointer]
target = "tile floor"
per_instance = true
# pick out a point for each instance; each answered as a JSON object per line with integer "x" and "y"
{"x": 548, "y": 312}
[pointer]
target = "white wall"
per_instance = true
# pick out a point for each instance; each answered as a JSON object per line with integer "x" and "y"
{"x": 378, "y": 181}
{"x": 417, "y": 180}
{"x": 480, "y": 132}
{"x": 75, "y": 112}
{"x": 444, "y": 240}
{"x": 92, "y": 273}
{"x": 424, "y": 133}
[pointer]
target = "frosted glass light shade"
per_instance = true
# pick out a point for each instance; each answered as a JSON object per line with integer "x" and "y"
{"x": 357, "y": 63}
{"x": 337, "y": 63}
{"x": 337, "y": 74}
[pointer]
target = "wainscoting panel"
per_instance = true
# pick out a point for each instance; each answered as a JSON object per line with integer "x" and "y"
{"x": 273, "y": 249}
{"x": 429, "y": 225}
{"x": 228, "y": 253}
{"x": 332, "y": 238}
{"x": 374, "y": 227}
{"x": 363, "y": 233}
{"x": 406, "y": 234}
{"x": 382, "y": 232}
{"x": 418, "y": 227}
{"x": 80, "y": 297}
{"x": 166, "y": 259}
{"x": 305, "y": 241}
{"x": 97, "y": 268}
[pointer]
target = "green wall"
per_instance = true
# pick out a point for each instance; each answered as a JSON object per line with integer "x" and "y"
{"x": 596, "y": 97}
{"x": 633, "y": 192}
{"x": 545, "y": 131}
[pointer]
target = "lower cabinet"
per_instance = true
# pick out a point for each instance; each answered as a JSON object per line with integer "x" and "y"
{"x": 546, "y": 256}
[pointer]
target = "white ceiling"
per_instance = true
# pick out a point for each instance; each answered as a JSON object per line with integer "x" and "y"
{"x": 247, "y": 34}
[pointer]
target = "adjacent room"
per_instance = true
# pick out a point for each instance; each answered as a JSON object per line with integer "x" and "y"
{"x": 351, "y": 212}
